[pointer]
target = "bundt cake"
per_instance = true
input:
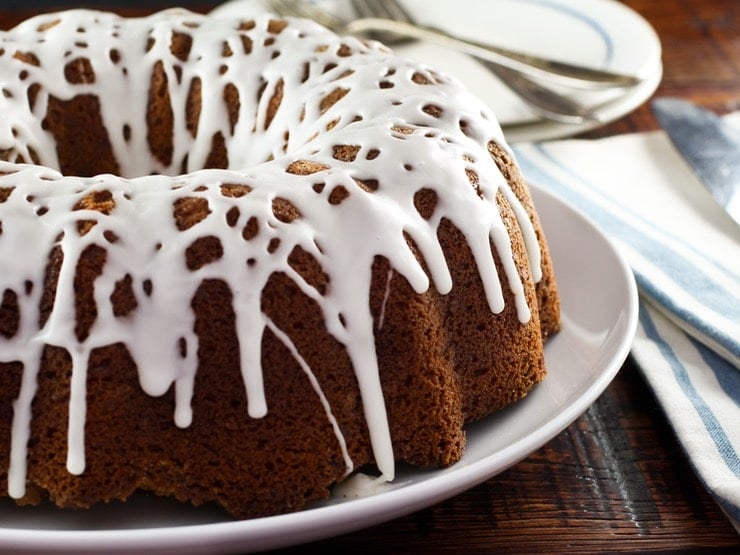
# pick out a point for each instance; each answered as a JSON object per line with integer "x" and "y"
{"x": 242, "y": 258}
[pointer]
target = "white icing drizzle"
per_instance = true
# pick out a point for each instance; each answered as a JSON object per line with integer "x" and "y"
{"x": 383, "y": 114}
{"x": 386, "y": 295}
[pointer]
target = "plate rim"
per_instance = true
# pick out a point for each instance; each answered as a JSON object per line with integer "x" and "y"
{"x": 321, "y": 522}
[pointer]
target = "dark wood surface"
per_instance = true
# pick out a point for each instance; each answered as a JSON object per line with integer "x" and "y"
{"x": 616, "y": 479}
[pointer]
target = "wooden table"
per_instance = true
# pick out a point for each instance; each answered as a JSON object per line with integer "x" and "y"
{"x": 616, "y": 479}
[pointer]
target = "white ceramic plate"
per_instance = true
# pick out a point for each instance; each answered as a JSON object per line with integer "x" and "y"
{"x": 599, "y": 308}
{"x": 603, "y": 34}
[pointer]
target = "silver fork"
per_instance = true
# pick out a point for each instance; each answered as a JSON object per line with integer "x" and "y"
{"x": 545, "y": 101}
{"x": 389, "y": 18}
{"x": 396, "y": 19}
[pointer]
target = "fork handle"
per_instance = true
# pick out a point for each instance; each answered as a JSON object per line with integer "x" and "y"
{"x": 563, "y": 73}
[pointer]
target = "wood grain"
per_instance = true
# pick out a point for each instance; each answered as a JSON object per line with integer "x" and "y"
{"x": 616, "y": 479}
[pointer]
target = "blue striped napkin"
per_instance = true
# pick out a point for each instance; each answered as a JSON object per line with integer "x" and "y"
{"x": 685, "y": 253}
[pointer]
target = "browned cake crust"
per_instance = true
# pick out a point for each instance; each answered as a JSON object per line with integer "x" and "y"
{"x": 444, "y": 359}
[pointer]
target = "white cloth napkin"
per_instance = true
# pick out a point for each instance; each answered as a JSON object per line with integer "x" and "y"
{"x": 685, "y": 253}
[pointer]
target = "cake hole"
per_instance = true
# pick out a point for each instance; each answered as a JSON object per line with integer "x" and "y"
{"x": 251, "y": 229}
{"x": 27, "y": 58}
{"x": 345, "y": 153}
{"x": 189, "y": 211}
{"x": 402, "y": 129}
{"x": 234, "y": 190}
{"x": 232, "y": 216}
{"x": 433, "y": 110}
{"x": 273, "y": 245}
{"x": 147, "y": 286}
{"x": 333, "y": 123}
{"x": 276, "y": 26}
{"x": 98, "y": 201}
{"x": 305, "y": 167}
{"x": 79, "y": 71}
{"x": 231, "y": 99}
{"x": 159, "y": 116}
{"x": 344, "y": 50}
{"x": 123, "y": 300}
{"x": 203, "y": 251}
{"x": 9, "y": 314}
{"x": 368, "y": 185}
{"x": 193, "y": 106}
{"x": 332, "y": 98}
{"x": 345, "y": 73}
{"x": 274, "y": 103}
{"x": 420, "y": 79}
{"x": 425, "y": 202}
{"x": 218, "y": 157}
{"x": 247, "y": 44}
{"x": 338, "y": 194}
{"x": 318, "y": 187}
{"x": 48, "y": 25}
{"x": 32, "y": 94}
{"x": 284, "y": 210}
{"x": 180, "y": 45}
{"x": 178, "y": 73}
{"x": 472, "y": 177}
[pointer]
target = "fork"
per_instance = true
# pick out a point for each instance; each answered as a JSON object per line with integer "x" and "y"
{"x": 546, "y": 102}
{"x": 389, "y": 18}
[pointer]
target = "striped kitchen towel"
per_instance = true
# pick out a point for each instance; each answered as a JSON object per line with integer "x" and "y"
{"x": 685, "y": 253}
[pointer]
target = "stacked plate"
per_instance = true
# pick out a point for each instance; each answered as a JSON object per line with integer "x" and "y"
{"x": 603, "y": 34}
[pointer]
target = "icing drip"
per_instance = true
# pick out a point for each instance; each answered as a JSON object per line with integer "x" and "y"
{"x": 346, "y": 120}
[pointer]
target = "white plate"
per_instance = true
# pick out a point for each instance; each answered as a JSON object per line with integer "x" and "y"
{"x": 603, "y": 34}
{"x": 599, "y": 306}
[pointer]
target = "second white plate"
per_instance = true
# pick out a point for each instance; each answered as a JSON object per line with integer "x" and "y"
{"x": 602, "y": 34}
